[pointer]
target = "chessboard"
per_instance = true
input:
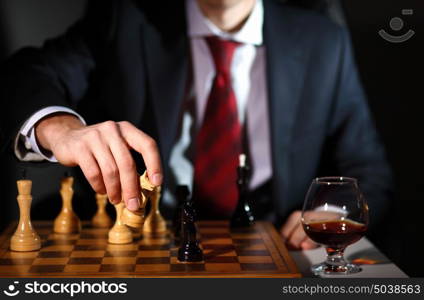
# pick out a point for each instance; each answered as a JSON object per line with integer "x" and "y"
{"x": 257, "y": 251}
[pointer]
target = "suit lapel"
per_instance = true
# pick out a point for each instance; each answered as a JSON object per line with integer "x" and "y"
{"x": 285, "y": 72}
{"x": 167, "y": 55}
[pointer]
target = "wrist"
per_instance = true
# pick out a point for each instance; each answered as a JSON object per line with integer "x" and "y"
{"x": 51, "y": 128}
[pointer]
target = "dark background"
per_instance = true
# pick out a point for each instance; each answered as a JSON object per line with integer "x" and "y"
{"x": 391, "y": 73}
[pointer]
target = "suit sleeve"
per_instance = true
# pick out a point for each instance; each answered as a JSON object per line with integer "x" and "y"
{"x": 354, "y": 143}
{"x": 57, "y": 74}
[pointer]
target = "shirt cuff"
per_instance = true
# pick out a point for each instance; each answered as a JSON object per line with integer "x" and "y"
{"x": 26, "y": 146}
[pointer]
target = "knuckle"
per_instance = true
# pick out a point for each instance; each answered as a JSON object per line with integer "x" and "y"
{"x": 128, "y": 193}
{"x": 109, "y": 125}
{"x": 111, "y": 171}
{"x": 114, "y": 194}
{"x": 125, "y": 123}
{"x": 128, "y": 164}
{"x": 92, "y": 135}
{"x": 93, "y": 176}
{"x": 150, "y": 143}
{"x": 98, "y": 187}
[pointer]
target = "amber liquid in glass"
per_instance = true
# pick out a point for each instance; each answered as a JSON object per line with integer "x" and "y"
{"x": 336, "y": 234}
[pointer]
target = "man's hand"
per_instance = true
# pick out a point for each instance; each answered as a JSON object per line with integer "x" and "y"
{"x": 102, "y": 151}
{"x": 294, "y": 235}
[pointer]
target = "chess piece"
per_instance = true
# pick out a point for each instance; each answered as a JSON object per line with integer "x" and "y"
{"x": 181, "y": 193}
{"x": 25, "y": 238}
{"x": 189, "y": 250}
{"x": 242, "y": 216}
{"x": 101, "y": 219}
{"x": 67, "y": 221}
{"x": 155, "y": 223}
{"x": 119, "y": 233}
{"x": 135, "y": 219}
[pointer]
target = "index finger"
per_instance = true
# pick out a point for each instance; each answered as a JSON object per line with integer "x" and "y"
{"x": 148, "y": 149}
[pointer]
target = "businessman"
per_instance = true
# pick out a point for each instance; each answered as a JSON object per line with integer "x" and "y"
{"x": 189, "y": 85}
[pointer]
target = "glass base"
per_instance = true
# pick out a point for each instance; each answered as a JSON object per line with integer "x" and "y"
{"x": 327, "y": 269}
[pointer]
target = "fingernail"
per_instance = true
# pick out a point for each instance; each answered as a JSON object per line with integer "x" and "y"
{"x": 133, "y": 204}
{"x": 157, "y": 179}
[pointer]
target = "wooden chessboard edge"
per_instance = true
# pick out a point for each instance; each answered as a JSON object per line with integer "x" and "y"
{"x": 276, "y": 246}
{"x": 282, "y": 249}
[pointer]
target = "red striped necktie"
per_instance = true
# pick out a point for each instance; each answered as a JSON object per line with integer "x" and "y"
{"x": 218, "y": 142}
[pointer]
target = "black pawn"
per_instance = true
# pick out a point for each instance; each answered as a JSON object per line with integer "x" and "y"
{"x": 242, "y": 216}
{"x": 181, "y": 193}
{"x": 189, "y": 250}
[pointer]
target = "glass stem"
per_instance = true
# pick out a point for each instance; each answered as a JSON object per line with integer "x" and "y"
{"x": 335, "y": 261}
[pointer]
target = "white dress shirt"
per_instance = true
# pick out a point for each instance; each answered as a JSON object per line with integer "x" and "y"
{"x": 26, "y": 146}
{"x": 249, "y": 85}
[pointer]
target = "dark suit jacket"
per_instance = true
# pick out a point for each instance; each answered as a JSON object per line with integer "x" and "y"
{"x": 129, "y": 60}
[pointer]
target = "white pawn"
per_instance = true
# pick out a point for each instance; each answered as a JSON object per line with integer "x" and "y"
{"x": 101, "y": 219}
{"x": 119, "y": 233}
{"x": 67, "y": 221}
{"x": 155, "y": 223}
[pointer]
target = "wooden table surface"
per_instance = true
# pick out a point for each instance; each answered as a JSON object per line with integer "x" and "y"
{"x": 254, "y": 252}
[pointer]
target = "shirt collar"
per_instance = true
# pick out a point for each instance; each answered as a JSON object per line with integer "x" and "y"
{"x": 251, "y": 32}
